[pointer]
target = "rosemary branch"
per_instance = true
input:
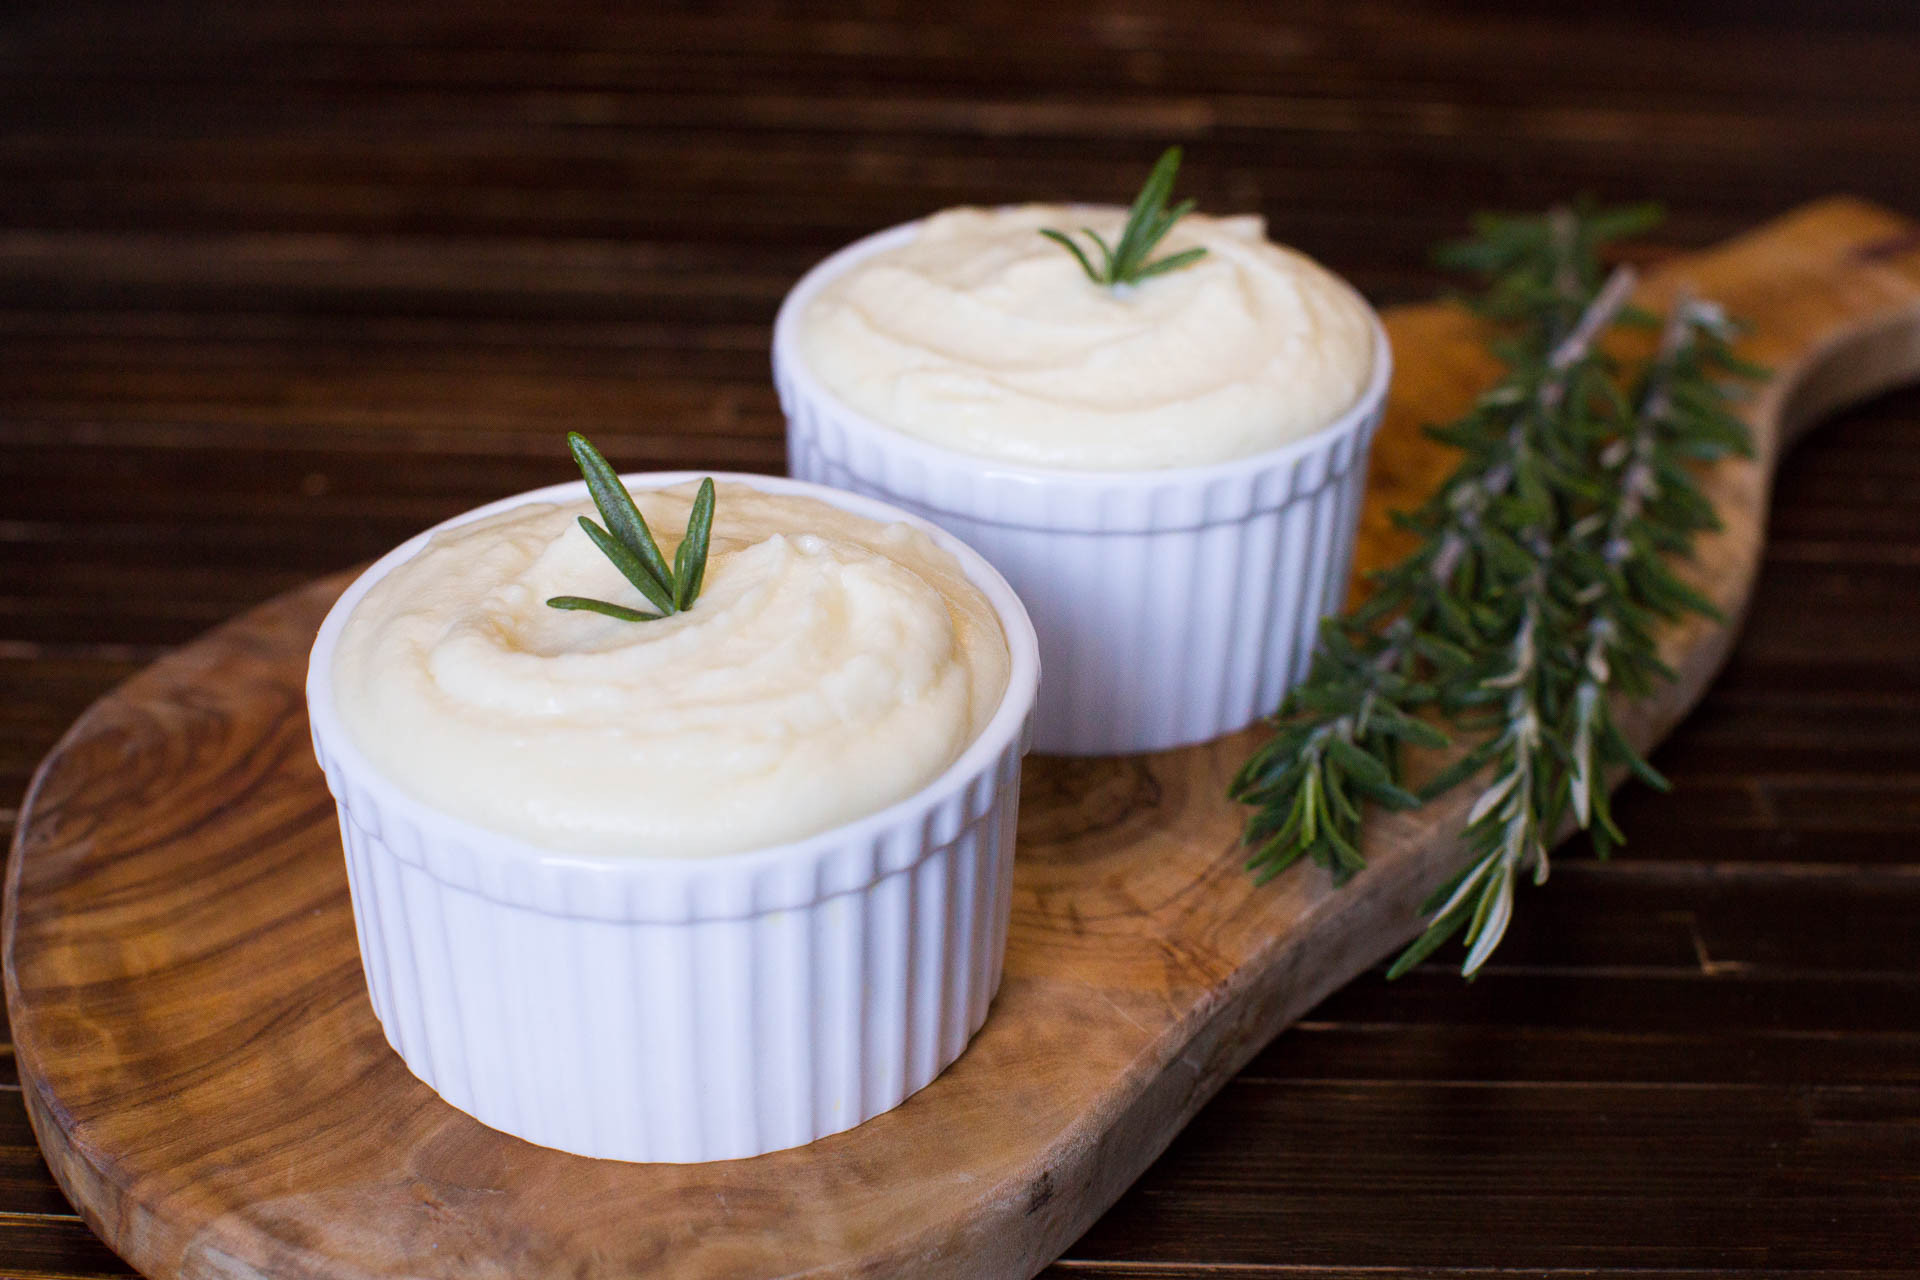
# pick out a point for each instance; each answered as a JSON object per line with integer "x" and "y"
{"x": 1148, "y": 221}
{"x": 629, "y": 544}
{"x": 1532, "y": 599}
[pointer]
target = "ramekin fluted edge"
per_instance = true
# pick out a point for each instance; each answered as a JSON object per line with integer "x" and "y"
{"x": 1174, "y": 605}
{"x": 684, "y": 1009}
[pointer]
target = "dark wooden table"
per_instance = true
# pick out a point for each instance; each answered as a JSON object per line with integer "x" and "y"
{"x": 281, "y": 284}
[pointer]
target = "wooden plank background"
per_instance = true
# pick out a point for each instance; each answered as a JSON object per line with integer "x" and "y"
{"x": 281, "y": 284}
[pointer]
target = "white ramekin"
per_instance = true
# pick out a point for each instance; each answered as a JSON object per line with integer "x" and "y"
{"x": 1173, "y": 605}
{"x": 684, "y": 1009}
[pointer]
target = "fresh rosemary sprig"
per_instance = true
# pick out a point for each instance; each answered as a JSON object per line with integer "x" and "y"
{"x": 1542, "y": 571}
{"x": 1147, "y": 224}
{"x": 629, "y": 543}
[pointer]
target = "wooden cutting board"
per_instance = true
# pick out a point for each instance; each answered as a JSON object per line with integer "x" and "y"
{"x": 209, "y": 1085}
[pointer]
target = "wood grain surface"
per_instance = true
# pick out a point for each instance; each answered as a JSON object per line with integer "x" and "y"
{"x": 205, "y": 1075}
{"x": 281, "y": 284}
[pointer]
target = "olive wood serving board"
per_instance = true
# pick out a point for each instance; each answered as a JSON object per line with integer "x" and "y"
{"x": 209, "y": 1085}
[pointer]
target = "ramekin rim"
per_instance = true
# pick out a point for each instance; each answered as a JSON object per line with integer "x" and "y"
{"x": 1005, "y": 728}
{"x": 789, "y": 363}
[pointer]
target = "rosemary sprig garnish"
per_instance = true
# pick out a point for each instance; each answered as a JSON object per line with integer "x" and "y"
{"x": 1148, "y": 222}
{"x": 629, "y": 543}
{"x": 1542, "y": 572}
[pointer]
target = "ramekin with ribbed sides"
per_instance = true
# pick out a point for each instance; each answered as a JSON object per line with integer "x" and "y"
{"x": 614, "y": 977}
{"x": 1169, "y": 473}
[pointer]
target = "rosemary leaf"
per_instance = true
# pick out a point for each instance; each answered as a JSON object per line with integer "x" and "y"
{"x": 1143, "y": 217}
{"x": 586, "y": 605}
{"x": 1107, "y": 274}
{"x": 630, "y": 567}
{"x": 1172, "y": 262}
{"x": 690, "y": 560}
{"x": 617, "y": 509}
{"x": 1065, "y": 241}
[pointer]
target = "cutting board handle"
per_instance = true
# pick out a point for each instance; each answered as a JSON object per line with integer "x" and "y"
{"x": 1831, "y": 293}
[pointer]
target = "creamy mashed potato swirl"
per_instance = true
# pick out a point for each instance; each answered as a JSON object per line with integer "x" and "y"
{"x": 982, "y": 336}
{"x": 830, "y": 667}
